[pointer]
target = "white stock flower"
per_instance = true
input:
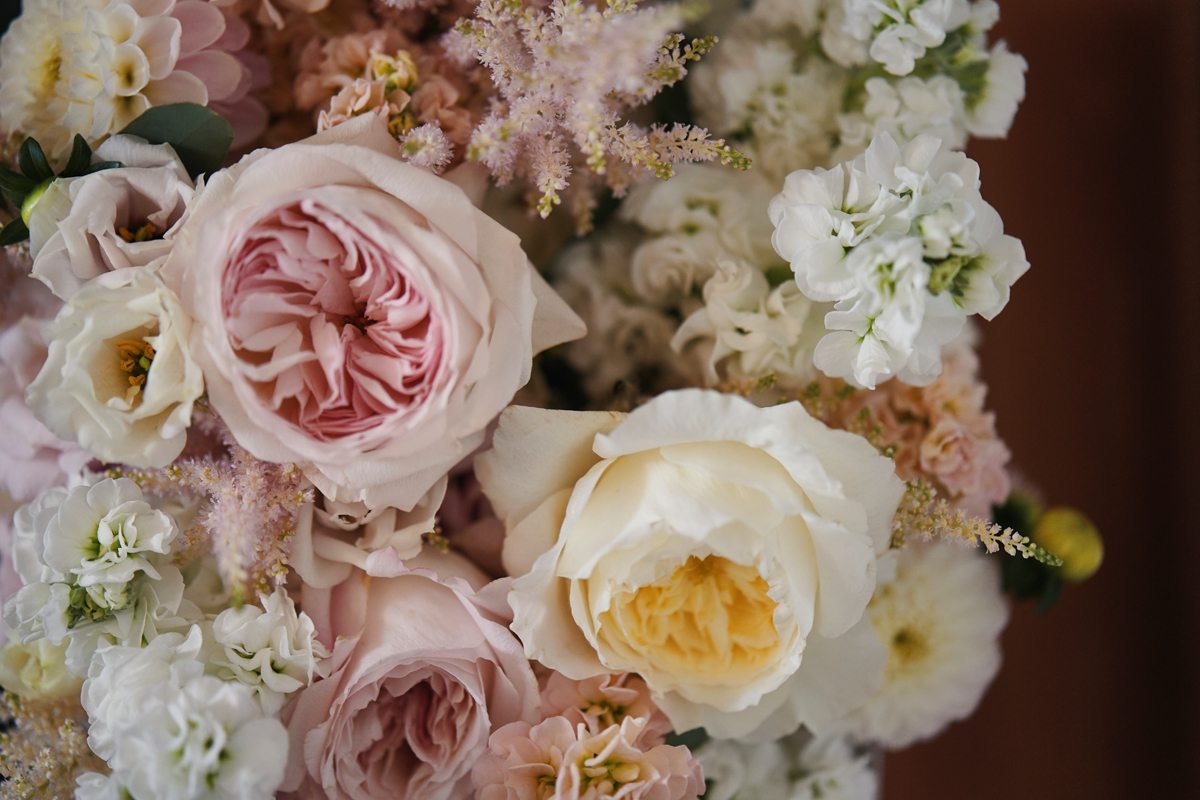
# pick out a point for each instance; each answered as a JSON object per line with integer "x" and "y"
{"x": 1003, "y": 90}
{"x": 723, "y": 552}
{"x": 36, "y": 670}
{"x": 97, "y": 786}
{"x": 905, "y": 109}
{"x": 902, "y": 241}
{"x": 940, "y": 620}
{"x": 168, "y": 730}
{"x": 272, "y": 649}
{"x": 119, "y": 377}
{"x": 798, "y": 767}
{"x": 122, "y": 217}
{"x": 898, "y": 32}
{"x": 754, "y": 328}
{"x": 94, "y": 567}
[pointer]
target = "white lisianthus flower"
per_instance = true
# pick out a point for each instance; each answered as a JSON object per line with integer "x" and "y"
{"x": 1003, "y": 90}
{"x": 272, "y": 649}
{"x": 722, "y": 551}
{"x": 93, "y": 561}
{"x": 902, "y": 241}
{"x": 37, "y": 669}
{"x": 797, "y": 767}
{"x": 940, "y": 620}
{"x": 119, "y": 377}
{"x": 757, "y": 330}
{"x": 116, "y": 218}
{"x": 168, "y": 730}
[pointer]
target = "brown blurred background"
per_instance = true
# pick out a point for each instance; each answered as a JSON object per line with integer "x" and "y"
{"x": 1093, "y": 375}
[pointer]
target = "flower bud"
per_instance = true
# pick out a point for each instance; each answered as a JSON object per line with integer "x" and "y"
{"x": 1072, "y": 537}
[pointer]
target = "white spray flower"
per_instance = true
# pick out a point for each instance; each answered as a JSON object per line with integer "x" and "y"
{"x": 797, "y": 767}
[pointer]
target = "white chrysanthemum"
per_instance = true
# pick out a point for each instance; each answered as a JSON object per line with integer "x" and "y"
{"x": 168, "y": 730}
{"x": 797, "y": 767}
{"x": 755, "y": 329}
{"x": 272, "y": 649}
{"x": 119, "y": 377}
{"x": 941, "y": 620}
{"x": 93, "y": 560}
{"x": 92, "y": 66}
{"x": 905, "y": 109}
{"x": 895, "y": 33}
{"x": 902, "y": 241}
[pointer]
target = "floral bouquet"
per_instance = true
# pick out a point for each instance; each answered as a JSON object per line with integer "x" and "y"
{"x": 512, "y": 399}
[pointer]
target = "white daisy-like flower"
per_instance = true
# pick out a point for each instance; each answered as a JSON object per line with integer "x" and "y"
{"x": 902, "y": 241}
{"x": 272, "y": 649}
{"x": 797, "y": 767}
{"x": 166, "y": 729}
{"x": 940, "y": 620}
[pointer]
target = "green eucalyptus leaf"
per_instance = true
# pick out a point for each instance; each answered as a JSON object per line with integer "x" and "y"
{"x": 200, "y": 137}
{"x": 80, "y": 160}
{"x": 33, "y": 161}
{"x": 13, "y": 232}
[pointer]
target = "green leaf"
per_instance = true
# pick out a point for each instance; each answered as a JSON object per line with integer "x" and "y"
{"x": 14, "y": 232}
{"x": 13, "y": 183}
{"x": 100, "y": 166}
{"x": 33, "y": 161}
{"x": 80, "y": 160}
{"x": 201, "y": 137}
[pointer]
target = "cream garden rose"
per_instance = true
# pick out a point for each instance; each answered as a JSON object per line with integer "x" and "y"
{"x": 722, "y": 551}
{"x": 358, "y": 315}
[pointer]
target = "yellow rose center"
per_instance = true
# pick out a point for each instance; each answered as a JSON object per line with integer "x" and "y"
{"x": 710, "y": 618}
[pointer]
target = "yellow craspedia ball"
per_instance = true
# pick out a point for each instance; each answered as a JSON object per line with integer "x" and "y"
{"x": 1072, "y": 537}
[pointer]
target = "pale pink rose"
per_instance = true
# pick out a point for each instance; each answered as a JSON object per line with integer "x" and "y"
{"x": 424, "y": 669}
{"x": 32, "y": 459}
{"x": 603, "y": 701}
{"x": 565, "y": 761}
{"x": 358, "y": 315}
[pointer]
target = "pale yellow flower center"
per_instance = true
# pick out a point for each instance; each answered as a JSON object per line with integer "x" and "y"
{"x": 134, "y": 357}
{"x": 710, "y": 618}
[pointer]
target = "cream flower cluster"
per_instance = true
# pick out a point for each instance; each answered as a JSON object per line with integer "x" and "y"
{"x": 796, "y": 767}
{"x": 93, "y": 66}
{"x": 901, "y": 240}
{"x": 166, "y": 729}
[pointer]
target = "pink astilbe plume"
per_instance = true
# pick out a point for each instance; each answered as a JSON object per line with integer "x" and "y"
{"x": 247, "y": 509}
{"x": 566, "y": 76}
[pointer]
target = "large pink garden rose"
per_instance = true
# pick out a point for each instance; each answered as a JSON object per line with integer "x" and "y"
{"x": 358, "y": 315}
{"x": 424, "y": 669}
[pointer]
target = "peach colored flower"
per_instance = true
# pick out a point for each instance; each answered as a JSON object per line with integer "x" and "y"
{"x": 561, "y": 761}
{"x": 603, "y": 701}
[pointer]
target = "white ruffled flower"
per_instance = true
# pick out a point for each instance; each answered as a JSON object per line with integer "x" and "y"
{"x": 36, "y": 669}
{"x": 797, "y": 767}
{"x": 902, "y": 241}
{"x": 97, "y": 786}
{"x": 788, "y": 114}
{"x": 940, "y": 620}
{"x": 722, "y": 551}
{"x": 272, "y": 649}
{"x": 119, "y": 378}
{"x": 992, "y": 111}
{"x": 758, "y": 330}
{"x": 168, "y": 730}
{"x": 719, "y": 212}
{"x": 895, "y": 33}
{"x": 905, "y": 109}
{"x": 123, "y": 217}
{"x": 94, "y": 567}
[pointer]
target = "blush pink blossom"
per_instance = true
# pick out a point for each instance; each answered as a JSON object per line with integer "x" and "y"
{"x": 424, "y": 669}
{"x": 32, "y": 459}
{"x": 559, "y": 760}
{"x": 357, "y": 315}
{"x": 603, "y": 701}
